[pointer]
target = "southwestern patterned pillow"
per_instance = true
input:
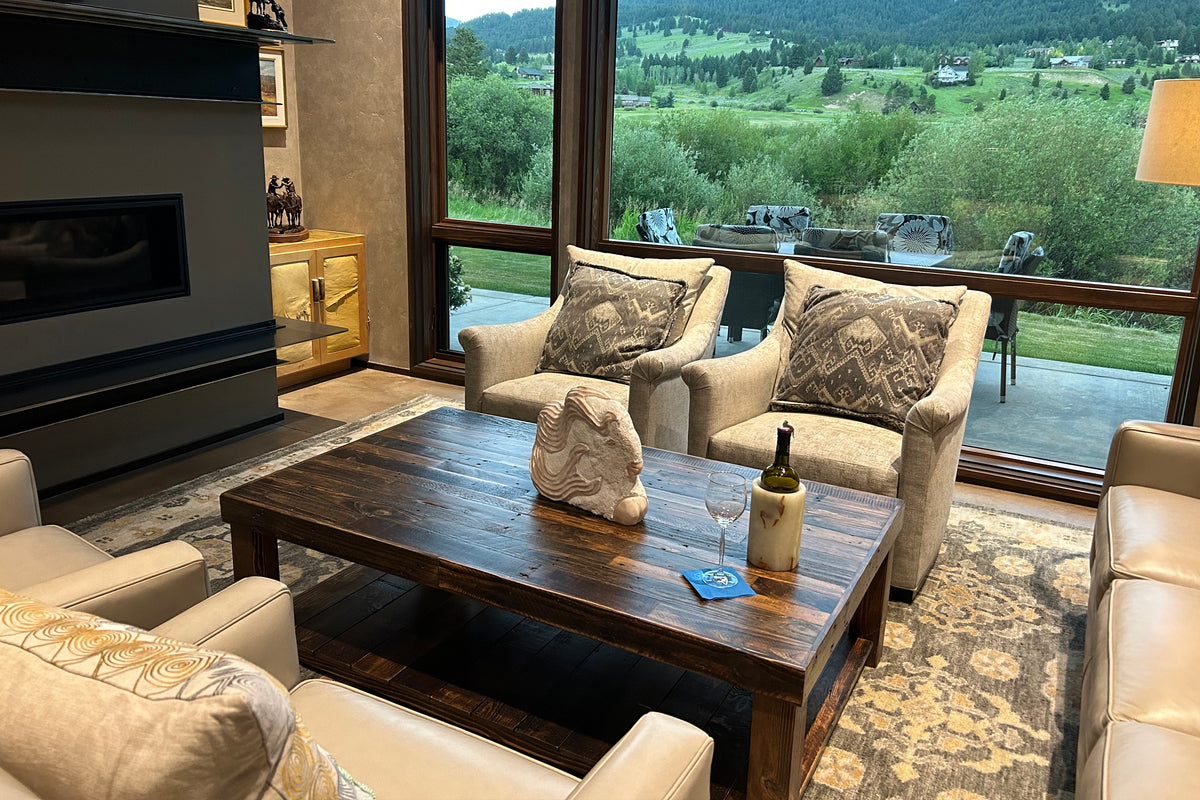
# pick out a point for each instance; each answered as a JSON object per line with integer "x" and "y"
{"x": 863, "y": 355}
{"x": 99, "y": 709}
{"x": 607, "y": 320}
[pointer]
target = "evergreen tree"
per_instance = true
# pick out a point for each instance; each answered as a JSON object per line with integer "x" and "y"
{"x": 1003, "y": 94}
{"x": 833, "y": 81}
{"x": 1128, "y": 86}
{"x": 464, "y": 56}
{"x": 1104, "y": 93}
{"x": 1037, "y": 79}
{"x": 808, "y": 68}
{"x": 749, "y": 80}
{"x": 1145, "y": 79}
{"x": 510, "y": 55}
{"x": 523, "y": 56}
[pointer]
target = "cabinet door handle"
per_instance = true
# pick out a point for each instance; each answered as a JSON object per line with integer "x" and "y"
{"x": 321, "y": 280}
{"x": 316, "y": 290}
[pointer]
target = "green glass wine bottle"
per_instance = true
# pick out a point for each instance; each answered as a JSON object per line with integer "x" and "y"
{"x": 780, "y": 477}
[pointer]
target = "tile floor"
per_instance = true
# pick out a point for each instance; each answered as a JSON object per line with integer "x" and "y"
{"x": 343, "y": 398}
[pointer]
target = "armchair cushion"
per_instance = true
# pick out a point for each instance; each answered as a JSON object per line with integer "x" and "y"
{"x": 524, "y": 398}
{"x": 692, "y": 271}
{"x": 608, "y": 319}
{"x": 145, "y": 716}
{"x": 40, "y": 554}
{"x": 866, "y": 356}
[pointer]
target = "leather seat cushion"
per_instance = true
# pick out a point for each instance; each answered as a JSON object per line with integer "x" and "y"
{"x": 1145, "y": 533}
{"x": 39, "y": 554}
{"x": 1135, "y": 761}
{"x": 1142, "y": 664}
{"x": 524, "y": 398}
{"x": 402, "y": 754}
{"x": 834, "y": 450}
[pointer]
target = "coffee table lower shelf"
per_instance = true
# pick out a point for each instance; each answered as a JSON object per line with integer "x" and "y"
{"x": 555, "y": 695}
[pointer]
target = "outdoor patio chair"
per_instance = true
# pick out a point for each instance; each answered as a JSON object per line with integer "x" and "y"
{"x": 1002, "y": 321}
{"x": 658, "y": 226}
{"x": 917, "y": 233}
{"x": 865, "y": 245}
{"x": 737, "y": 237}
{"x": 787, "y": 221}
{"x": 731, "y": 417}
{"x": 514, "y": 370}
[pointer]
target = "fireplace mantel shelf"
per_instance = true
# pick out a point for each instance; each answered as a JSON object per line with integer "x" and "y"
{"x": 73, "y": 12}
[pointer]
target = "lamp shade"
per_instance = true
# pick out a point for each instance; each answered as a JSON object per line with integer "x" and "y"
{"x": 1171, "y": 145}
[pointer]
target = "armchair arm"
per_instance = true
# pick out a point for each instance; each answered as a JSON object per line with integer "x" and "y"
{"x": 1160, "y": 455}
{"x": 726, "y": 391}
{"x": 18, "y": 494}
{"x": 252, "y": 618}
{"x": 658, "y": 398}
{"x": 498, "y": 353}
{"x": 142, "y": 588}
{"x": 660, "y": 757}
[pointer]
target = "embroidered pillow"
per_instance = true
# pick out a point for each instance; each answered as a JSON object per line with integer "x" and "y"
{"x": 92, "y": 703}
{"x": 692, "y": 271}
{"x": 607, "y": 320}
{"x": 863, "y": 355}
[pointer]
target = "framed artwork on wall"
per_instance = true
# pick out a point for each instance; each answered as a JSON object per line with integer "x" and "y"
{"x": 270, "y": 79}
{"x": 226, "y": 12}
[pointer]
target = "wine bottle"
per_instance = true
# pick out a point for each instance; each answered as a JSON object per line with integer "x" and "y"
{"x": 780, "y": 477}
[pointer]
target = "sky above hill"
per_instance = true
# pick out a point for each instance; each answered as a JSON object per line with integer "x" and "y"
{"x": 464, "y": 10}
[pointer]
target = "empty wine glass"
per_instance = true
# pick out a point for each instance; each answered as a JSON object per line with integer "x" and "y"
{"x": 725, "y": 499}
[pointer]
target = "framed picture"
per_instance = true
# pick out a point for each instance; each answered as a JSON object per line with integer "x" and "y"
{"x": 270, "y": 79}
{"x": 226, "y": 12}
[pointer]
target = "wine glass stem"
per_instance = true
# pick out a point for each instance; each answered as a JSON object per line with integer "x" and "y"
{"x": 721, "y": 549}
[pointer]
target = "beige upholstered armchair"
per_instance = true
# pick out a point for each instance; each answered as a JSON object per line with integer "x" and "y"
{"x": 731, "y": 420}
{"x": 502, "y": 360}
{"x": 53, "y": 565}
{"x": 235, "y": 734}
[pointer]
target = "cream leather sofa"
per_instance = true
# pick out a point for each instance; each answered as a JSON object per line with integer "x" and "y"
{"x": 404, "y": 755}
{"x": 53, "y": 565}
{"x": 1139, "y": 727}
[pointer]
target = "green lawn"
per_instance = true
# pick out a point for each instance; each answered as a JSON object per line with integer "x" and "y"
{"x": 462, "y": 208}
{"x": 520, "y": 273}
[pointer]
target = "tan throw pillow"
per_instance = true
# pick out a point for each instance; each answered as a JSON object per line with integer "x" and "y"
{"x": 692, "y": 271}
{"x": 608, "y": 319}
{"x": 865, "y": 356}
{"x": 92, "y": 705}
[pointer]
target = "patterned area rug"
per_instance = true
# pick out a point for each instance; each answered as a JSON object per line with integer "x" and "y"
{"x": 977, "y": 695}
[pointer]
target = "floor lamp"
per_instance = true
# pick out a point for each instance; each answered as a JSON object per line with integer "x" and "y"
{"x": 1171, "y": 154}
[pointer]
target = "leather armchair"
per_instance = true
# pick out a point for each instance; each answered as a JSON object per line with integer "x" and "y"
{"x": 400, "y": 753}
{"x": 501, "y": 361}
{"x": 730, "y": 420}
{"x": 53, "y": 565}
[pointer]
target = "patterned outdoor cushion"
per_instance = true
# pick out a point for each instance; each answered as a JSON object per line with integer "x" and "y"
{"x": 658, "y": 225}
{"x": 917, "y": 233}
{"x": 842, "y": 243}
{"x": 740, "y": 237}
{"x": 692, "y": 271}
{"x": 97, "y": 709}
{"x": 1015, "y": 251}
{"x": 863, "y": 355}
{"x": 607, "y": 320}
{"x": 787, "y": 221}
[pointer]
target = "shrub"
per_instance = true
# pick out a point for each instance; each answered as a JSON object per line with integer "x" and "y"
{"x": 651, "y": 171}
{"x": 492, "y": 131}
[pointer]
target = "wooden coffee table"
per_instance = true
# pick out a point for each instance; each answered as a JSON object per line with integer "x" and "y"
{"x": 445, "y": 500}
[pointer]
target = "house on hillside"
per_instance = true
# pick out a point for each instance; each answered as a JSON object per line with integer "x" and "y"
{"x": 818, "y": 62}
{"x": 529, "y": 73}
{"x": 548, "y": 69}
{"x": 543, "y": 89}
{"x": 960, "y": 61}
{"x": 1116, "y": 62}
{"x": 1189, "y": 59}
{"x": 1071, "y": 62}
{"x": 1169, "y": 44}
{"x": 1031, "y": 52}
{"x": 632, "y": 100}
{"x": 850, "y": 62}
{"x": 950, "y": 76}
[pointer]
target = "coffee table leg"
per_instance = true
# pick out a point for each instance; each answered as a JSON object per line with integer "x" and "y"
{"x": 254, "y": 553}
{"x": 870, "y": 619}
{"x": 776, "y": 750}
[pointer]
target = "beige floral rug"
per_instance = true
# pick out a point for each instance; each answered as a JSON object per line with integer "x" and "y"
{"x": 977, "y": 695}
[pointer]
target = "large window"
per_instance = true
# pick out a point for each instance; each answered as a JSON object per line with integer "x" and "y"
{"x": 865, "y": 140}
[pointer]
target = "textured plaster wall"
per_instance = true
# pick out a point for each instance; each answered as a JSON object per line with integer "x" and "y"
{"x": 351, "y": 94}
{"x": 281, "y": 146}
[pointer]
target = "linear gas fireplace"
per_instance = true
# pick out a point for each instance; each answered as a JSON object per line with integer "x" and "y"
{"x": 64, "y": 256}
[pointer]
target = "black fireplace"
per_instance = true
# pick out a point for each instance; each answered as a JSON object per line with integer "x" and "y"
{"x": 63, "y": 256}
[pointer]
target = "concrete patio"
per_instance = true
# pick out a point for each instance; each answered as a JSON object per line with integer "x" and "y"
{"x": 1057, "y": 411}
